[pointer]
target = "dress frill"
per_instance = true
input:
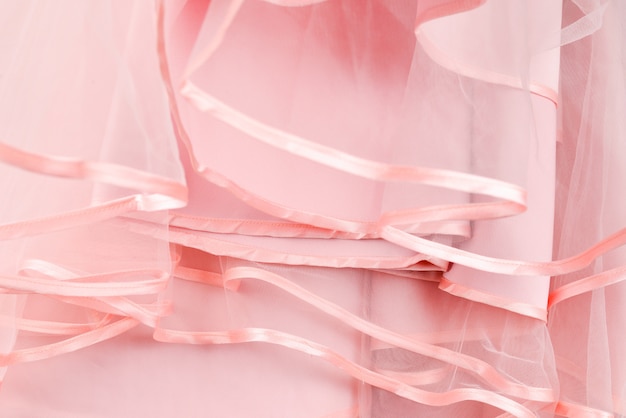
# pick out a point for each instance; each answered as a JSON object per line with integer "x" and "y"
{"x": 312, "y": 208}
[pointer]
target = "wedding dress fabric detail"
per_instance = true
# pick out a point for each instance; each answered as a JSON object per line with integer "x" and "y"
{"x": 312, "y": 208}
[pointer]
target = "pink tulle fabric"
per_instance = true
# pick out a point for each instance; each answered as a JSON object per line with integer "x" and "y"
{"x": 312, "y": 208}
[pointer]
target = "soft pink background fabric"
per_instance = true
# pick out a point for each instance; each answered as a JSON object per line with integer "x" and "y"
{"x": 312, "y": 208}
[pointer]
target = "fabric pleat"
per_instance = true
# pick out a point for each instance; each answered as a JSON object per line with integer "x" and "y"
{"x": 312, "y": 208}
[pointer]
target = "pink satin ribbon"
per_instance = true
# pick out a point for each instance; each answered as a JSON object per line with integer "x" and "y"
{"x": 89, "y": 286}
{"x": 78, "y": 342}
{"x": 346, "y": 162}
{"x": 492, "y": 300}
{"x": 587, "y": 284}
{"x": 513, "y": 196}
{"x": 157, "y": 193}
{"x": 248, "y": 335}
{"x": 108, "y": 173}
{"x": 387, "y": 226}
{"x": 103, "y": 294}
{"x": 504, "y": 266}
{"x": 513, "y": 203}
{"x": 482, "y": 369}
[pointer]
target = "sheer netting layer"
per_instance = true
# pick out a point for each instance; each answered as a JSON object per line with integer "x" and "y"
{"x": 312, "y": 208}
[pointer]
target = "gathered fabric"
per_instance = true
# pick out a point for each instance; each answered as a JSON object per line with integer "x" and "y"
{"x": 312, "y": 208}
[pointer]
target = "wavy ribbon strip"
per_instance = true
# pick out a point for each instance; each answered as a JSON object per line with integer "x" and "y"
{"x": 248, "y": 335}
{"x": 222, "y": 247}
{"x": 99, "y": 292}
{"x": 504, "y": 266}
{"x": 118, "y": 304}
{"x": 37, "y": 326}
{"x": 514, "y": 196}
{"x": 480, "y": 368}
{"x": 587, "y": 284}
{"x": 343, "y": 161}
{"x": 466, "y": 292}
{"x": 369, "y": 169}
{"x": 108, "y": 173}
{"x": 71, "y": 344}
{"x": 472, "y": 260}
{"x": 103, "y": 284}
{"x": 287, "y": 229}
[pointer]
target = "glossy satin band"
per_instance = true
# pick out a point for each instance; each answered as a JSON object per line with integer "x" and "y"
{"x": 71, "y": 344}
{"x": 248, "y": 335}
{"x": 492, "y": 300}
{"x": 157, "y": 193}
{"x": 94, "y": 285}
{"x": 587, "y": 284}
{"x": 37, "y": 326}
{"x": 346, "y": 162}
{"x": 201, "y": 276}
{"x": 368, "y": 229}
{"x": 284, "y": 228}
{"x": 482, "y": 369}
{"x": 214, "y": 245}
{"x": 504, "y": 266}
{"x": 117, "y": 304}
{"x": 514, "y": 196}
{"x": 107, "y": 173}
